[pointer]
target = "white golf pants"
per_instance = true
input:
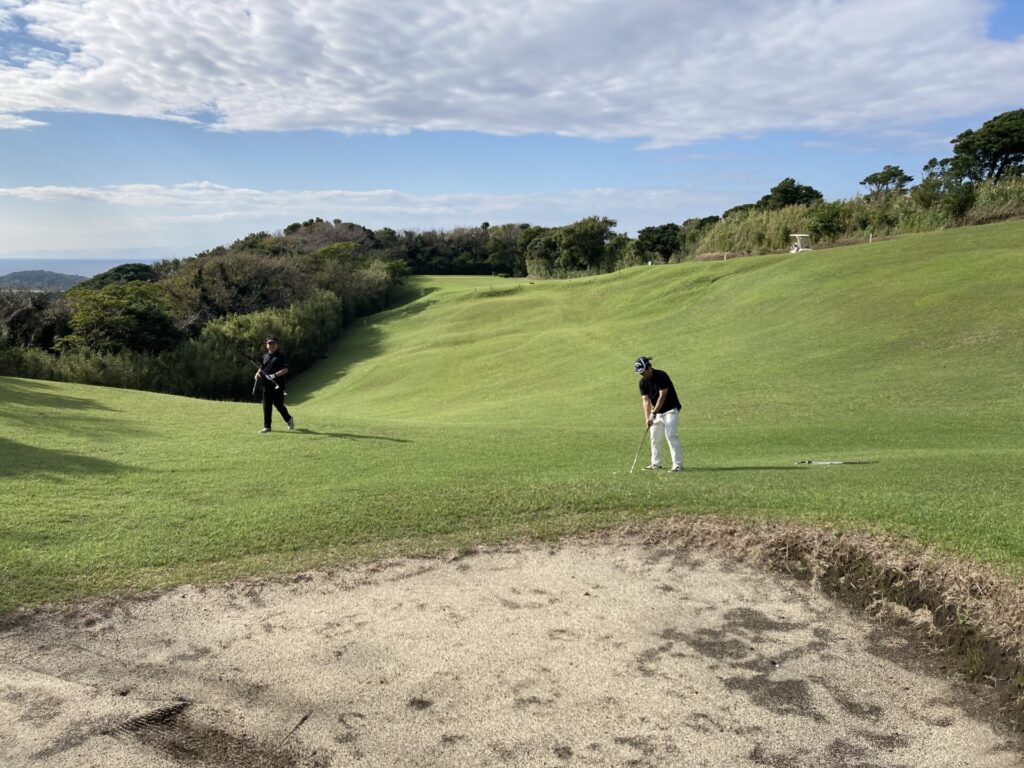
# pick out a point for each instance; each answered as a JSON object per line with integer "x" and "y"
{"x": 666, "y": 427}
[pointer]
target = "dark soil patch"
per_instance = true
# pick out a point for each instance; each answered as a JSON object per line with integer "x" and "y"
{"x": 972, "y": 613}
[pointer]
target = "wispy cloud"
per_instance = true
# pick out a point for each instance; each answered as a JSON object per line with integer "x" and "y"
{"x": 14, "y": 121}
{"x": 667, "y": 72}
{"x": 146, "y": 214}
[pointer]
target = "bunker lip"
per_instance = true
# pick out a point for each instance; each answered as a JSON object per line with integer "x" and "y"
{"x": 973, "y": 613}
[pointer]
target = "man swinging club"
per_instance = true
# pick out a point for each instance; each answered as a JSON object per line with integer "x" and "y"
{"x": 661, "y": 412}
{"x": 273, "y": 369}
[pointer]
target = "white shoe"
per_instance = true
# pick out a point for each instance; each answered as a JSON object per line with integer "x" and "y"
{"x": 676, "y": 469}
{"x": 653, "y": 466}
{"x": 291, "y": 423}
{"x": 265, "y": 429}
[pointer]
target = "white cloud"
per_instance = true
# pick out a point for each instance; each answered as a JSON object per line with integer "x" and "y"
{"x": 199, "y": 215}
{"x": 11, "y": 122}
{"x": 668, "y": 71}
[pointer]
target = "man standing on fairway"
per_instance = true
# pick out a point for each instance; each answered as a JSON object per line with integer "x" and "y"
{"x": 272, "y": 372}
{"x": 661, "y": 412}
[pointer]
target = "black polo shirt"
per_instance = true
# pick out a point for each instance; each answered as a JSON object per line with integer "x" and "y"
{"x": 274, "y": 362}
{"x": 652, "y": 388}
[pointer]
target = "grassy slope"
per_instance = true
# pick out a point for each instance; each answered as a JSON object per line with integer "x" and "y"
{"x": 476, "y": 414}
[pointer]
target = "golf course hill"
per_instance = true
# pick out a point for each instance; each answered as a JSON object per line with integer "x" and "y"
{"x": 485, "y": 409}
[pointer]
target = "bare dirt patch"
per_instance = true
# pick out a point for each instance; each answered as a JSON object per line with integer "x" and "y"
{"x": 632, "y": 649}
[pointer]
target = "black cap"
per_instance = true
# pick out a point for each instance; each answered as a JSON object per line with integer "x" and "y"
{"x": 642, "y": 364}
{"x": 270, "y": 339}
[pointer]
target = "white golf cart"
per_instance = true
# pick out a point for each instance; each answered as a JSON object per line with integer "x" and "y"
{"x": 800, "y": 243}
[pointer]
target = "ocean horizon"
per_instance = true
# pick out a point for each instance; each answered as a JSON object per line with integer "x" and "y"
{"x": 76, "y": 265}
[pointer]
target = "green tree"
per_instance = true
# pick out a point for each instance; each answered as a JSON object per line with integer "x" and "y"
{"x": 122, "y": 316}
{"x": 657, "y": 243}
{"x": 123, "y": 273}
{"x": 890, "y": 179}
{"x": 959, "y": 198}
{"x": 231, "y": 283}
{"x": 929, "y": 191}
{"x": 541, "y": 252}
{"x": 621, "y": 249}
{"x": 788, "y": 192}
{"x": 993, "y": 151}
{"x": 692, "y": 231}
{"x": 503, "y": 253}
{"x": 826, "y": 220}
{"x": 582, "y": 244}
{"x": 32, "y": 318}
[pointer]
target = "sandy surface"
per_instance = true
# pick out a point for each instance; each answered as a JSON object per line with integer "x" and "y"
{"x": 578, "y": 654}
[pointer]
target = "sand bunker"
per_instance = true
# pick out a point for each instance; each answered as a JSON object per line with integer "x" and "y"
{"x": 576, "y": 654}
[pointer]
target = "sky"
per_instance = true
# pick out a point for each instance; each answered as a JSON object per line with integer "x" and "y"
{"x": 142, "y": 129}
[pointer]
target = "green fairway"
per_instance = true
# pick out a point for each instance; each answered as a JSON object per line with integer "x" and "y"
{"x": 486, "y": 408}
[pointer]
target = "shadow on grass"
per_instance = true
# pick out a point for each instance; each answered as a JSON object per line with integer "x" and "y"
{"x": 352, "y": 436}
{"x": 41, "y": 410}
{"x": 737, "y": 469}
{"x": 360, "y": 341}
{"x": 32, "y": 393}
{"x": 19, "y": 459}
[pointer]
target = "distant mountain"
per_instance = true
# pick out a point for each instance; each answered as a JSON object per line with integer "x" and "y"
{"x": 39, "y": 280}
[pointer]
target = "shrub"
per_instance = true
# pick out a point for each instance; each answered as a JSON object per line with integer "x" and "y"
{"x": 755, "y": 231}
{"x": 958, "y": 200}
{"x": 121, "y": 316}
{"x": 826, "y": 221}
{"x": 213, "y": 365}
{"x": 233, "y": 283}
{"x": 998, "y": 201}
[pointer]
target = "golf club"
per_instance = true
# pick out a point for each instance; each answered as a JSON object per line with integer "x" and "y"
{"x": 812, "y": 461}
{"x": 644, "y": 438}
{"x": 262, "y": 376}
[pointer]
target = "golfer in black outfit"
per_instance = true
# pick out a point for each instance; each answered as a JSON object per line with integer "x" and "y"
{"x": 661, "y": 412}
{"x": 272, "y": 371}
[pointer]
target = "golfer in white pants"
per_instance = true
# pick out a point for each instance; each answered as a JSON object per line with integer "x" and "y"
{"x": 661, "y": 412}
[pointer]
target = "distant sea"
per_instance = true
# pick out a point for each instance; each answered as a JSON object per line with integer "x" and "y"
{"x": 86, "y": 266}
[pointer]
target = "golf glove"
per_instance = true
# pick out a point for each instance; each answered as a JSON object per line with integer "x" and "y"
{"x": 271, "y": 377}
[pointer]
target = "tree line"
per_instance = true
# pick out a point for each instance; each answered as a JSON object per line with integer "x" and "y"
{"x": 982, "y": 181}
{"x": 184, "y": 325}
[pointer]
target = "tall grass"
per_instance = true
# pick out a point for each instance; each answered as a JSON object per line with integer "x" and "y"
{"x": 998, "y": 201}
{"x": 857, "y": 219}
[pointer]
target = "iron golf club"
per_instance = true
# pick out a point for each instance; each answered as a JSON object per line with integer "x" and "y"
{"x": 262, "y": 376}
{"x": 642, "y": 440}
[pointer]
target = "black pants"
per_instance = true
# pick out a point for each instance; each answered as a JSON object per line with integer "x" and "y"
{"x": 273, "y": 398}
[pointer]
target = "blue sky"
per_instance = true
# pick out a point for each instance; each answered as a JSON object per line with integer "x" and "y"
{"x": 165, "y": 129}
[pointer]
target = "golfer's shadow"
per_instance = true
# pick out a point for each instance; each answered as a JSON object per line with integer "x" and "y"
{"x": 352, "y": 436}
{"x": 734, "y": 469}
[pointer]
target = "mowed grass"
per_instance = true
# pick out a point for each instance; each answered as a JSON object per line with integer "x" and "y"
{"x": 487, "y": 408}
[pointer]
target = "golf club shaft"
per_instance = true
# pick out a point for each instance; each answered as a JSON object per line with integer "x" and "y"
{"x": 262, "y": 374}
{"x": 640, "y": 448}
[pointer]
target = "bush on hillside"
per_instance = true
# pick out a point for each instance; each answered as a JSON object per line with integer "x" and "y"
{"x": 133, "y": 316}
{"x": 233, "y": 283}
{"x": 214, "y": 364}
{"x": 932, "y": 205}
{"x": 123, "y": 273}
{"x": 33, "y": 319}
{"x": 994, "y": 202}
{"x": 755, "y": 231}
